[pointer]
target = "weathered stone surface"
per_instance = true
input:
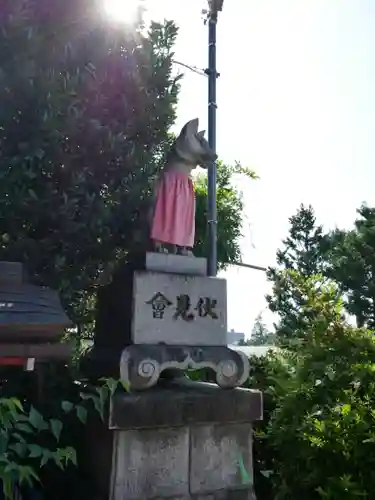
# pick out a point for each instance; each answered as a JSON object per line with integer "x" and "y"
{"x": 155, "y": 464}
{"x": 151, "y": 463}
{"x": 247, "y": 494}
{"x": 179, "y": 441}
{"x": 216, "y": 454}
{"x": 203, "y": 497}
{"x": 182, "y": 402}
{"x": 179, "y": 310}
{"x": 175, "y": 264}
{"x": 142, "y": 365}
{"x": 219, "y": 495}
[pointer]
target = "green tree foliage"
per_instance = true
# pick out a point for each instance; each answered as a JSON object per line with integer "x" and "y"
{"x": 271, "y": 375}
{"x": 229, "y": 213}
{"x": 86, "y": 108}
{"x": 352, "y": 266}
{"x": 322, "y": 430}
{"x": 304, "y": 252}
{"x": 317, "y": 435}
{"x": 260, "y": 334}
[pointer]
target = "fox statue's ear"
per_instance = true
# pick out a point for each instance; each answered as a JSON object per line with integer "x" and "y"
{"x": 201, "y": 133}
{"x": 191, "y": 128}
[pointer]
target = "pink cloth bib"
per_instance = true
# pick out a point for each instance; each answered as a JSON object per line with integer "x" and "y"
{"x": 173, "y": 219}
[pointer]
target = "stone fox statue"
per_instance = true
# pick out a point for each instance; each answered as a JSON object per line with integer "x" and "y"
{"x": 173, "y": 211}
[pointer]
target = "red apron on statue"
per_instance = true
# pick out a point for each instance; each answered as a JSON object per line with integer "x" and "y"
{"x": 173, "y": 219}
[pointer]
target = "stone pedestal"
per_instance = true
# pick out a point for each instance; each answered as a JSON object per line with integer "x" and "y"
{"x": 178, "y": 441}
{"x": 161, "y": 312}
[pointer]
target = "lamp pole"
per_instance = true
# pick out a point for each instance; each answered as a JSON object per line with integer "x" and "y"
{"x": 214, "y": 7}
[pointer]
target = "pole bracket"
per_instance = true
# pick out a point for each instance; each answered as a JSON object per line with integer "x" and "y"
{"x": 210, "y": 72}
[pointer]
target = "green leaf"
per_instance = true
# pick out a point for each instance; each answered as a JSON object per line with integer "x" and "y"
{"x": 369, "y": 440}
{"x": 10, "y": 412}
{"x": 56, "y": 428}
{"x": 22, "y": 417}
{"x": 103, "y": 393}
{"x": 70, "y": 455}
{"x": 99, "y": 403}
{"x": 6, "y": 420}
{"x": 35, "y": 451}
{"x": 112, "y": 385}
{"x": 27, "y": 474}
{"x": 82, "y": 413}
{"x": 37, "y": 420}
{"x": 47, "y": 455}
{"x": 7, "y": 486}
{"x": 4, "y": 440}
{"x": 11, "y": 467}
{"x": 23, "y": 427}
{"x": 67, "y": 406}
{"x": 85, "y": 396}
{"x": 65, "y": 455}
{"x": 25, "y": 478}
{"x": 19, "y": 448}
{"x": 125, "y": 385}
{"x": 16, "y": 403}
{"x": 19, "y": 437}
{"x": 321, "y": 492}
{"x": 58, "y": 462}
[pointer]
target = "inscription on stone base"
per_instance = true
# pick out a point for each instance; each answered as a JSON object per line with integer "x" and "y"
{"x": 179, "y": 310}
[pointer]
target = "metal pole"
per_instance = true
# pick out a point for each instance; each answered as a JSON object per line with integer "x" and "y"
{"x": 212, "y": 211}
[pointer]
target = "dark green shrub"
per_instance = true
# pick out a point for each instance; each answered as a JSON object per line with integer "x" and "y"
{"x": 322, "y": 432}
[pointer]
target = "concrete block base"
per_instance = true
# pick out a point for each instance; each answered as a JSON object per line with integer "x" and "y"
{"x": 191, "y": 462}
{"x": 178, "y": 441}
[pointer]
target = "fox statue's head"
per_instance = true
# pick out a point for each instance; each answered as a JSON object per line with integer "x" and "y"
{"x": 192, "y": 146}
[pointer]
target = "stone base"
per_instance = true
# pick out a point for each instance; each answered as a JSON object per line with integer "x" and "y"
{"x": 175, "y": 264}
{"x": 161, "y": 298}
{"x": 157, "y": 464}
{"x": 178, "y": 441}
{"x": 142, "y": 365}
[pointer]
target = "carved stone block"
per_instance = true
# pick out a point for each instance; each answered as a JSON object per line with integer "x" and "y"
{"x": 179, "y": 310}
{"x": 142, "y": 365}
{"x": 217, "y": 454}
{"x": 141, "y": 470}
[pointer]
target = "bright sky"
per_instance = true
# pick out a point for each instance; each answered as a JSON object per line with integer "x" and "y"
{"x": 296, "y": 102}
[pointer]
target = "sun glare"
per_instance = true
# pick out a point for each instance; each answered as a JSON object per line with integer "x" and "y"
{"x": 123, "y": 11}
